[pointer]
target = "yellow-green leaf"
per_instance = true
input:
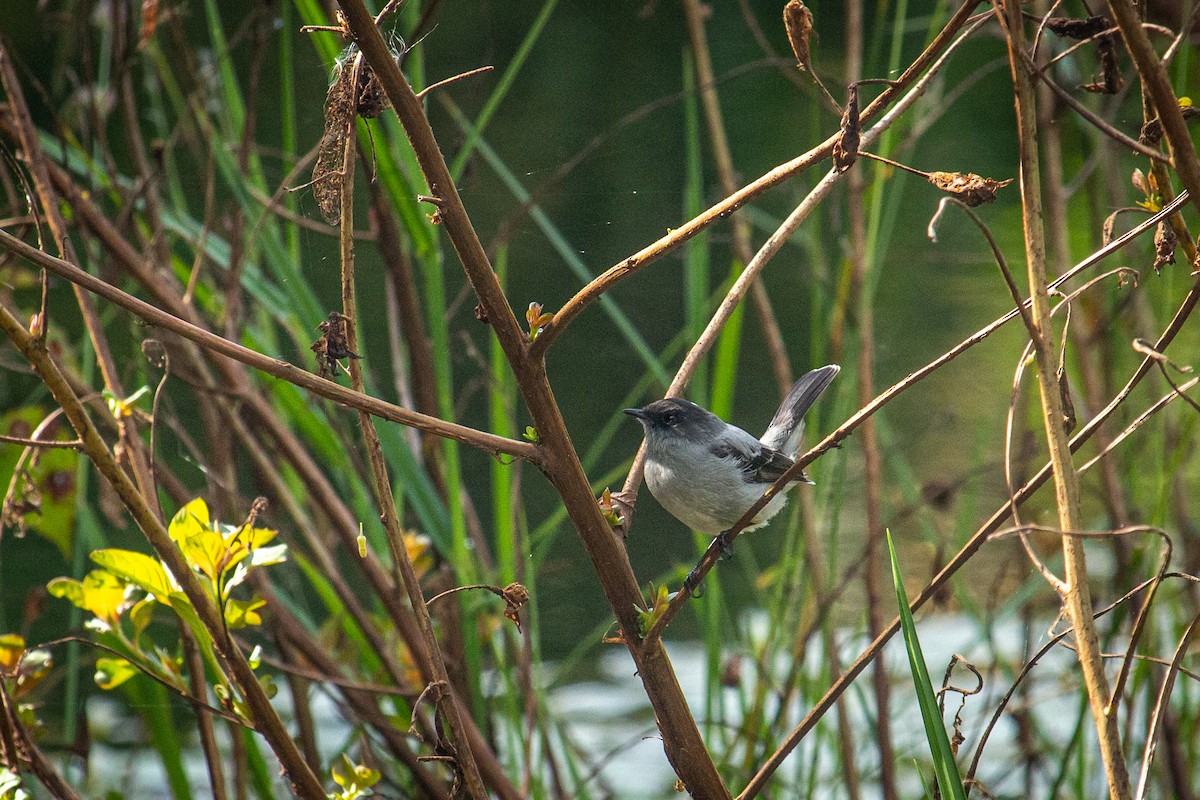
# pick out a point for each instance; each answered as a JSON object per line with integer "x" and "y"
{"x": 100, "y": 592}
{"x": 12, "y": 647}
{"x": 204, "y": 550}
{"x": 242, "y": 613}
{"x": 141, "y": 570}
{"x": 112, "y": 672}
{"x": 190, "y": 520}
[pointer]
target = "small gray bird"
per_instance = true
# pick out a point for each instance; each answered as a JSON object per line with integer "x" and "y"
{"x": 708, "y": 473}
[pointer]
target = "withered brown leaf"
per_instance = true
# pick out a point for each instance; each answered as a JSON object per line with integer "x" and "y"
{"x": 845, "y": 149}
{"x": 798, "y": 22}
{"x": 1165, "y": 241}
{"x": 1110, "y": 81}
{"x": 515, "y": 595}
{"x": 334, "y": 344}
{"x": 1079, "y": 29}
{"x": 972, "y": 189}
{"x": 1152, "y": 131}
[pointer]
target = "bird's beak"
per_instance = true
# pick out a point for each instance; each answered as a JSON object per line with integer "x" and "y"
{"x": 636, "y": 412}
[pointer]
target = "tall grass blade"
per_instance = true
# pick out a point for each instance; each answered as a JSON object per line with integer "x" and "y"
{"x": 945, "y": 768}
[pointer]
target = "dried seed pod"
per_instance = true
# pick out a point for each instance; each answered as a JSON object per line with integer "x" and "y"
{"x": 340, "y": 105}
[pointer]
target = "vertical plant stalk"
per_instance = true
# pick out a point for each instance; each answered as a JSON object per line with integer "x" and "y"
{"x": 682, "y": 742}
{"x": 204, "y": 718}
{"x": 1077, "y": 597}
{"x": 862, "y": 300}
{"x": 743, "y": 250}
{"x": 406, "y": 575}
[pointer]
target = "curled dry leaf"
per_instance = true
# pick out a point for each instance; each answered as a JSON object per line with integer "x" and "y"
{"x": 1165, "y": 241}
{"x": 371, "y": 99}
{"x": 845, "y": 150}
{"x": 514, "y": 595}
{"x": 968, "y": 187}
{"x": 798, "y": 22}
{"x": 731, "y": 672}
{"x": 334, "y": 344}
{"x": 1068, "y": 405}
{"x": 1152, "y": 131}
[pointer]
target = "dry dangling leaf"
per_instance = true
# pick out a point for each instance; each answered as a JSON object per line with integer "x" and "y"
{"x": 334, "y": 344}
{"x": 972, "y": 189}
{"x": 339, "y": 116}
{"x": 1165, "y": 241}
{"x": 1152, "y": 131}
{"x": 514, "y": 595}
{"x": 798, "y": 22}
{"x": 1068, "y": 405}
{"x": 845, "y": 150}
{"x": 1110, "y": 81}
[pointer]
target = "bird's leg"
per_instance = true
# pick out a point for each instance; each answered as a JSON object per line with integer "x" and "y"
{"x": 725, "y": 542}
{"x": 693, "y": 582}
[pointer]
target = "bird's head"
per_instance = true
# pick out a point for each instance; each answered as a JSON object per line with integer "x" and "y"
{"x": 675, "y": 417}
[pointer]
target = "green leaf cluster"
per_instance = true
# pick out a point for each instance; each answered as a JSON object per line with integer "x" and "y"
{"x": 124, "y": 590}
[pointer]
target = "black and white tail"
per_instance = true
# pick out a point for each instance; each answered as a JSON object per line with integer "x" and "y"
{"x": 785, "y": 430}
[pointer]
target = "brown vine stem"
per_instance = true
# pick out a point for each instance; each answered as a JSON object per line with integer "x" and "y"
{"x": 656, "y": 250}
{"x": 496, "y": 445}
{"x": 864, "y": 313}
{"x": 1078, "y": 599}
{"x": 682, "y": 741}
{"x": 451, "y": 710}
{"x": 303, "y": 781}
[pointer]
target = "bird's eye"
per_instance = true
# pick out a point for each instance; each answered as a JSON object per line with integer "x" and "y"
{"x": 669, "y": 418}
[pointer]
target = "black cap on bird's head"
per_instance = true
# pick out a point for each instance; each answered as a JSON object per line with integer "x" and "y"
{"x": 674, "y": 415}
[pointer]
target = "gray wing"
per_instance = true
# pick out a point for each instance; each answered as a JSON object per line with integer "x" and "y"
{"x": 761, "y": 464}
{"x": 787, "y": 427}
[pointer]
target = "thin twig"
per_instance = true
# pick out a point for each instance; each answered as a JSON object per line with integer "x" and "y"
{"x": 406, "y": 575}
{"x": 276, "y": 367}
{"x": 73, "y": 444}
{"x": 446, "y": 81}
